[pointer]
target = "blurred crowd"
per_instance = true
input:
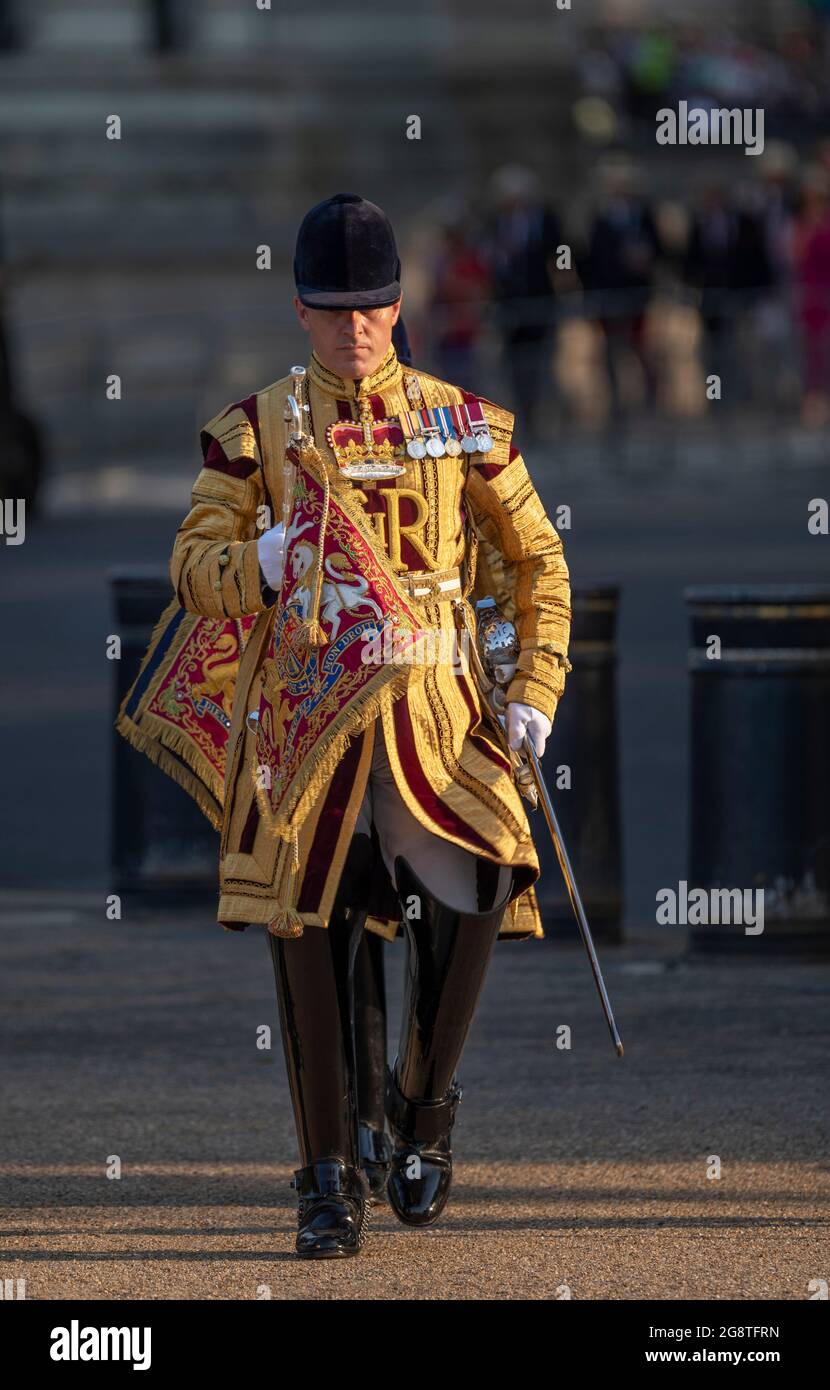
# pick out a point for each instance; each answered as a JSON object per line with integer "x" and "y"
{"x": 635, "y": 304}
{"x": 782, "y": 66}
{"x": 626, "y": 296}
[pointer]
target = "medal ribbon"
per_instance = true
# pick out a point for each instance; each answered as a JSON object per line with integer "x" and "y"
{"x": 459, "y": 420}
{"x": 427, "y": 421}
{"x": 477, "y": 417}
{"x": 447, "y": 423}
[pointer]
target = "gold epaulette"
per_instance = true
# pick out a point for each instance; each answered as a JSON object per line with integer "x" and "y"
{"x": 234, "y": 431}
{"x": 498, "y": 418}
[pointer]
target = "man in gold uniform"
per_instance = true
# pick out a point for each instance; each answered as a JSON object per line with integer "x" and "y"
{"x": 359, "y": 798}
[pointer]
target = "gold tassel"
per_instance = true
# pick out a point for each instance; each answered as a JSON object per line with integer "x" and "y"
{"x": 288, "y": 922}
{"x": 311, "y": 634}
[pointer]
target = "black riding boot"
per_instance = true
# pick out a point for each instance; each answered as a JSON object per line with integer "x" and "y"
{"x": 315, "y": 990}
{"x": 448, "y": 952}
{"x": 370, "y": 1047}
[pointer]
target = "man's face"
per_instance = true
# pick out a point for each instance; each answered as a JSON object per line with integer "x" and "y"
{"x": 350, "y": 342}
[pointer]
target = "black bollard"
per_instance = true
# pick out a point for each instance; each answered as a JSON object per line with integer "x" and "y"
{"x": 584, "y": 740}
{"x": 760, "y": 763}
{"x": 162, "y": 846}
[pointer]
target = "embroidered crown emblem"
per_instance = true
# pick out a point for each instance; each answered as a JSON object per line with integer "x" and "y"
{"x": 361, "y": 452}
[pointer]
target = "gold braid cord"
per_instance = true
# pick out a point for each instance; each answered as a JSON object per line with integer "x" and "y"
{"x": 311, "y": 633}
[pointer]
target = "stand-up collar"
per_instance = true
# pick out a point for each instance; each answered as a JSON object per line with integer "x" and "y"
{"x": 388, "y": 374}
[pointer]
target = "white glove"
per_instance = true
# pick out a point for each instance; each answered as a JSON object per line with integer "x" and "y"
{"x": 270, "y": 547}
{"x": 524, "y": 719}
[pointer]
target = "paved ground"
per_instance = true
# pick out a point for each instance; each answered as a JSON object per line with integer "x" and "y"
{"x": 138, "y": 1039}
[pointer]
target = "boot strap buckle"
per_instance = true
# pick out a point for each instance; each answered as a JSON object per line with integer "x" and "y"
{"x": 420, "y": 1120}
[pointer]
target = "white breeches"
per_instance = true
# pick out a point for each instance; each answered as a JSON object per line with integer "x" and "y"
{"x": 447, "y": 870}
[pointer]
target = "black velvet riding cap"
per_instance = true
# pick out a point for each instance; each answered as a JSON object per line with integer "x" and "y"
{"x": 346, "y": 257}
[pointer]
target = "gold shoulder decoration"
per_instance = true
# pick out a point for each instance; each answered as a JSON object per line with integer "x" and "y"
{"x": 237, "y": 436}
{"x": 500, "y": 422}
{"x": 497, "y": 417}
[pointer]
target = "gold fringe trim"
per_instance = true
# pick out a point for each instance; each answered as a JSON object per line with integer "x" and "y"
{"x": 161, "y": 623}
{"x": 154, "y": 727}
{"x": 310, "y": 781}
{"x": 162, "y": 754}
{"x": 161, "y": 745}
{"x": 158, "y": 629}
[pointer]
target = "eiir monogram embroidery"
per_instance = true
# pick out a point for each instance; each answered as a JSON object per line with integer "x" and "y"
{"x": 390, "y": 528}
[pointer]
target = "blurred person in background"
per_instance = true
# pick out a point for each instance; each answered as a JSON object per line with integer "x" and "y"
{"x": 650, "y": 60}
{"x": 727, "y": 263}
{"x": 460, "y": 290}
{"x": 618, "y": 274}
{"x": 521, "y": 241}
{"x": 771, "y": 351}
{"x": 811, "y": 255}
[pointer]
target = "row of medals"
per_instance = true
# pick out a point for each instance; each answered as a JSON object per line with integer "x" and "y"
{"x": 437, "y": 444}
{"x": 430, "y": 441}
